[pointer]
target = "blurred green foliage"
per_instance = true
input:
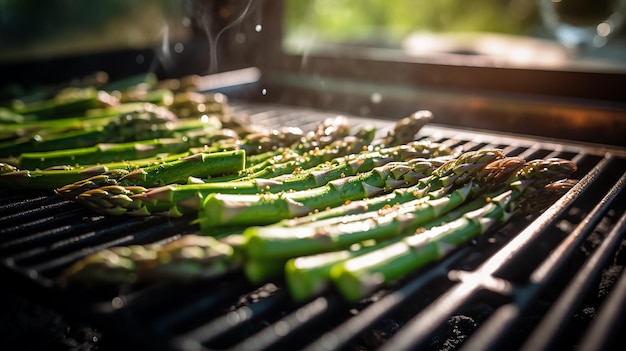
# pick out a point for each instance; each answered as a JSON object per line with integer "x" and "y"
{"x": 389, "y": 21}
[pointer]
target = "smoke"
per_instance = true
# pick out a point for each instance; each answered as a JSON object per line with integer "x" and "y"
{"x": 206, "y": 13}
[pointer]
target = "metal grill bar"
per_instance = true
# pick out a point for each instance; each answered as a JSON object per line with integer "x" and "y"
{"x": 612, "y": 315}
{"x": 556, "y": 318}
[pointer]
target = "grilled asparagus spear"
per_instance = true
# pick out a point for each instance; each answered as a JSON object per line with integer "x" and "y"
{"x": 177, "y": 171}
{"x": 220, "y": 209}
{"x": 309, "y": 275}
{"x": 359, "y": 276}
{"x": 186, "y": 258}
{"x": 225, "y": 209}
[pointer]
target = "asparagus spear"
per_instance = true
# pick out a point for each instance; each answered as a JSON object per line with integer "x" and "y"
{"x": 293, "y": 160}
{"x": 189, "y": 258}
{"x": 359, "y": 276}
{"x": 355, "y": 163}
{"x": 147, "y": 123}
{"x": 60, "y": 176}
{"x": 404, "y": 131}
{"x": 285, "y": 242}
{"x": 183, "y": 259}
{"x": 457, "y": 171}
{"x": 309, "y": 178}
{"x": 309, "y": 275}
{"x": 174, "y": 200}
{"x": 177, "y": 171}
{"x": 103, "y": 152}
{"x": 224, "y": 209}
{"x": 68, "y": 101}
{"x": 219, "y": 209}
{"x": 301, "y": 156}
{"x": 92, "y": 119}
{"x": 273, "y": 245}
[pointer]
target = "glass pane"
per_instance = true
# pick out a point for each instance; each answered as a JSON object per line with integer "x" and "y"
{"x": 569, "y": 34}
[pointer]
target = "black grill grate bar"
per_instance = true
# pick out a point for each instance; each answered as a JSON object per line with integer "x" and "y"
{"x": 544, "y": 336}
{"x": 228, "y": 322}
{"x": 64, "y": 225}
{"x": 43, "y": 229}
{"x": 416, "y": 331}
{"x": 610, "y": 318}
{"x": 36, "y": 214}
{"x": 555, "y": 262}
{"x": 227, "y": 326}
{"x": 16, "y": 202}
{"x": 216, "y": 327}
{"x": 284, "y": 331}
{"x": 83, "y": 239}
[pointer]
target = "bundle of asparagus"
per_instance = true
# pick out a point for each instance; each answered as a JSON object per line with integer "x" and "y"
{"x": 364, "y": 248}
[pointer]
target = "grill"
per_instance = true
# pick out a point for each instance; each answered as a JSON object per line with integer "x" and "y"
{"x": 554, "y": 279}
{"x": 550, "y": 280}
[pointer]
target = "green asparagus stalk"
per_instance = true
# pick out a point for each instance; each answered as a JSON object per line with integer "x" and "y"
{"x": 92, "y": 119}
{"x": 306, "y": 179}
{"x": 68, "y": 101}
{"x": 190, "y": 258}
{"x": 103, "y": 153}
{"x": 175, "y": 200}
{"x": 404, "y": 131}
{"x": 49, "y": 179}
{"x": 274, "y": 246}
{"x": 60, "y": 176}
{"x": 301, "y": 156}
{"x": 138, "y": 125}
{"x": 307, "y": 276}
{"x": 284, "y": 242}
{"x": 117, "y": 265}
{"x": 6, "y": 168}
{"x": 454, "y": 172}
{"x": 359, "y": 276}
{"x": 355, "y": 163}
{"x": 188, "y": 197}
{"x": 225, "y": 209}
{"x": 187, "y": 258}
{"x": 177, "y": 171}
{"x": 219, "y": 209}
{"x": 293, "y": 160}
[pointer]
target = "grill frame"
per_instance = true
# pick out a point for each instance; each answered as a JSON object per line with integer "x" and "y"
{"x": 164, "y": 317}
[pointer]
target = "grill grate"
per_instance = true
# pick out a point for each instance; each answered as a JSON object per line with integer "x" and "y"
{"x": 536, "y": 283}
